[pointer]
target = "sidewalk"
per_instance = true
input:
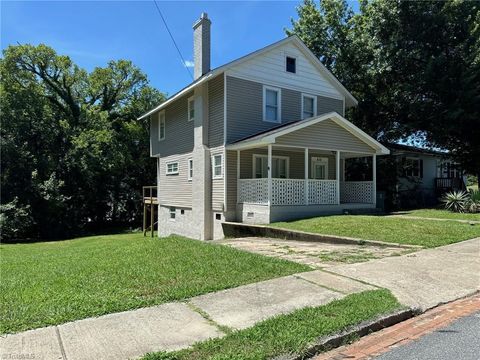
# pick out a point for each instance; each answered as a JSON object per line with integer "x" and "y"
{"x": 173, "y": 326}
{"x": 423, "y": 280}
{"x": 426, "y": 278}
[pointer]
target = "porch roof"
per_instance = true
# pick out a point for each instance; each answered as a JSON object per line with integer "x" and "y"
{"x": 270, "y": 136}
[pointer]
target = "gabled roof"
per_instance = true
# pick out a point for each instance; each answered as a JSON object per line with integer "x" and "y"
{"x": 269, "y": 136}
{"x": 349, "y": 98}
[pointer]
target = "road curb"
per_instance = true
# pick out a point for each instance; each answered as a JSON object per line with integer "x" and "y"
{"x": 360, "y": 330}
{"x": 233, "y": 229}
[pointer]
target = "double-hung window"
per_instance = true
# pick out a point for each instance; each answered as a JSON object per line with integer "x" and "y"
{"x": 172, "y": 168}
{"x": 217, "y": 166}
{"x": 161, "y": 125}
{"x": 280, "y": 165}
{"x": 309, "y": 106}
{"x": 271, "y": 104}
{"x": 412, "y": 167}
{"x": 191, "y": 108}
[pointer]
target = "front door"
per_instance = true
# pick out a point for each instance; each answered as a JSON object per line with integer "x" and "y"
{"x": 319, "y": 168}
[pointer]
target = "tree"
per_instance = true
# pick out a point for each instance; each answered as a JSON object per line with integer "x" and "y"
{"x": 413, "y": 66}
{"x": 73, "y": 153}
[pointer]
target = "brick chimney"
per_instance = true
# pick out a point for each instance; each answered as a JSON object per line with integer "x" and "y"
{"x": 201, "y": 46}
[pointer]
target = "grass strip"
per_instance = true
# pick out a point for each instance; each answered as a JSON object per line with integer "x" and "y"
{"x": 292, "y": 333}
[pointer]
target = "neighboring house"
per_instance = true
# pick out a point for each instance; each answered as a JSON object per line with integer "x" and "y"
{"x": 258, "y": 140}
{"x": 422, "y": 175}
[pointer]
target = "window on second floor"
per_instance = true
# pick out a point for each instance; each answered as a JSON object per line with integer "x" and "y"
{"x": 172, "y": 168}
{"x": 161, "y": 125}
{"x": 271, "y": 104}
{"x": 191, "y": 108}
{"x": 309, "y": 106}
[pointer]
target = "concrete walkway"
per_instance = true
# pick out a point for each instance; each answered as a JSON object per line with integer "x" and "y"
{"x": 423, "y": 279}
{"x": 426, "y": 278}
{"x": 173, "y": 326}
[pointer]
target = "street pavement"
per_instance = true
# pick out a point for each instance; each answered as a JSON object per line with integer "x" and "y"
{"x": 458, "y": 341}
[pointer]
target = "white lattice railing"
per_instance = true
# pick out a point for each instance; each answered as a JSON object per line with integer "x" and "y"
{"x": 322, "y": 192}
{"x": 356, "y": 192}
{"x": 253, "y": 191}
{"x": 288, "y": 192}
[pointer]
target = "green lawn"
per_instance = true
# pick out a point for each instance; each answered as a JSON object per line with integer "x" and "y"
{"x": 291, "y": 333}
{"x": 54, "y": 282}
{"x": 427, "y": 233}
{"x": 441, "y": 214}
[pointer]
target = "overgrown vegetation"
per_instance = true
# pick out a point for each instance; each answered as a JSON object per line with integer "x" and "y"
{"x": 73, "y": 154}
{"x": 292, "y": 333}
{"x": 414, "y": 66}
{"x": 427, "y": 233}
{"x": 54, "y": 282}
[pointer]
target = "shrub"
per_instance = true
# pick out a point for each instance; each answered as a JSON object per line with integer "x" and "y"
{"x": 456, "y": 201}
{"x": 16, "y": 221}
{"x": 473, "y": 203}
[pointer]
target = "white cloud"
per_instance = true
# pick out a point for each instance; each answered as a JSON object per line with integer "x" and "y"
{"x": 189, "y": 64}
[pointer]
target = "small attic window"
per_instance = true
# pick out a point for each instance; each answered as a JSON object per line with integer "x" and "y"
{"x": 291, "y": 64}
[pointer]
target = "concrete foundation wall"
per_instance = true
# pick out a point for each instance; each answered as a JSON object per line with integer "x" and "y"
{"x": 264, "y": 214}
{"x": 181, "y": 225}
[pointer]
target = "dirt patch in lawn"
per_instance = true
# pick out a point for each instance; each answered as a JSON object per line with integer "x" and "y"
{"x": 314, "y": 254}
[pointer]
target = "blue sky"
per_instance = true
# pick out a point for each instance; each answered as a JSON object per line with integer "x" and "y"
{"x": 94, "y": 32}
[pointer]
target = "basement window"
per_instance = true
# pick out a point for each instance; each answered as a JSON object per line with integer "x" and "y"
{"x": 173, "y": 212}
{"x": 291, "y": 64}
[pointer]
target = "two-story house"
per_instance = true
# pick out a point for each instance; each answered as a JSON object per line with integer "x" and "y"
{"x": 257, "y": 140}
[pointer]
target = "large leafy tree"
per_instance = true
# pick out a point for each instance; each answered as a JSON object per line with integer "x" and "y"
{"x": 413, "y": 66}
{"x": 73, "y": 153}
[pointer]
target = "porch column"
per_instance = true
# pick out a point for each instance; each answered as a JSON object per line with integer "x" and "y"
{"x": 269, "y": 170}
{"x": 337, "y": 171}
{"x": 238, "y": 175}
{"x": 306, "y": 176}
{"x": 374, "y": 179}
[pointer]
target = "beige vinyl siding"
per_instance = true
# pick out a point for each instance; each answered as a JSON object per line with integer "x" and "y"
{"x": 175, "y": 190}
{"x": 178, "y": 130}
{"x": 269, "y": 68}
{"x": 218, "y": 184}
{"x": 231, "y": 181}
{"x": 216, "y": 111}
{"x": 326, "y": 105}
{"x": 326, "y": 135}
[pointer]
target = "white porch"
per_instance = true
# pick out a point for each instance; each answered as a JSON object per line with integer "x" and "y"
{"x": 322, "y": 165}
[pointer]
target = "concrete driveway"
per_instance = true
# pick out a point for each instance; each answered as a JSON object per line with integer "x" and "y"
{"x": 314, "y": 254}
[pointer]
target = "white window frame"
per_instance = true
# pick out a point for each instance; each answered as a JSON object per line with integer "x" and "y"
{"x": 161, "y": 115}
{"x": 190, "y": 99}
{"x": 321, "y": 159}
{"x": 314, "y": 104}
{"x": 167, "y": 172}
{"x": 411, "y": 169}
{"x": 262, "y": 156}
{"x": 279, "y": 104}
{"x": 190, "y": 169}
{"x": 285, "y": 63}
{"x": 221, "y": 166}
{"x": 172, "y": 211}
